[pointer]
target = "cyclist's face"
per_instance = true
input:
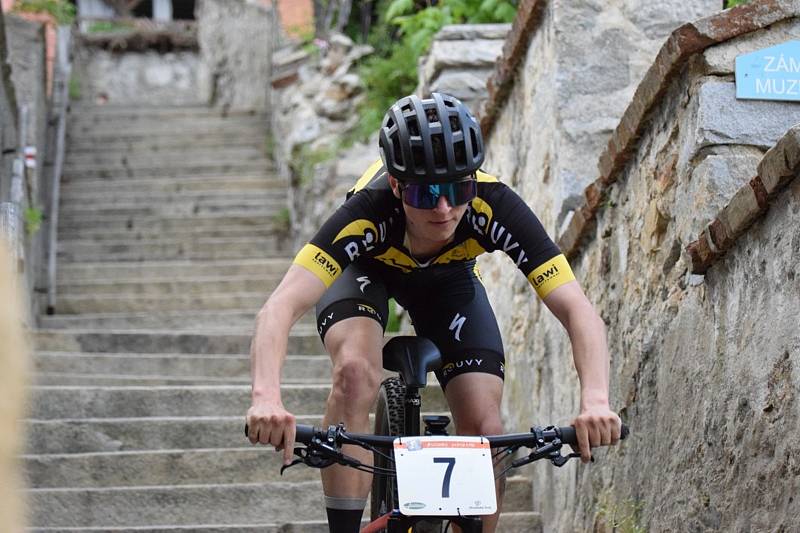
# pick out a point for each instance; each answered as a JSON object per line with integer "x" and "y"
{"x": 437, "y": 224}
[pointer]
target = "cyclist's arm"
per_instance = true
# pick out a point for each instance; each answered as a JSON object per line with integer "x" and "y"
{"x": 597, "y": 424}
{"x": 269, "y": 421}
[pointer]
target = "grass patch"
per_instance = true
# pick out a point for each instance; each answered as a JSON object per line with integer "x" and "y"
{"x": 304, "y": 162}
{"x": 618, "y": 517}
{"x": 393, "y": 323}
{"x": 109, "y": 26}
{"x": 61, "y": 10}
{"x": 74, "y": 88}
{"x": 282, "y": 221}
{"x": 33, "y": 220}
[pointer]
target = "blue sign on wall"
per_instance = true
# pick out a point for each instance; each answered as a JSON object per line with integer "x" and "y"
{"x": 770, "y": 74}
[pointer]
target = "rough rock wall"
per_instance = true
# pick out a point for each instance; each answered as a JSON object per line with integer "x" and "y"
{"x": 703, "y": 368}
{"x": 141, "y": 78}
{"x": 314, "y": 108}
{"x": 8, "y": 130}
{"x": 237, "y": 38}
{"x": 460, "y": 60}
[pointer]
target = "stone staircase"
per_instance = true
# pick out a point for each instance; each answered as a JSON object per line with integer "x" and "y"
{"x": 167, "y": 249}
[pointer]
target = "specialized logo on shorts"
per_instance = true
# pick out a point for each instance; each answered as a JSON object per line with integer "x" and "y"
{"x": 367, "y": 236}
{"x": 449, "y": 368}
{"x": 456, "y": 324}
{"x": 364, "y": 281}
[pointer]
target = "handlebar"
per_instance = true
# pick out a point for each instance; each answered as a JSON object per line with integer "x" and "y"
{"x": 536, "y": 437}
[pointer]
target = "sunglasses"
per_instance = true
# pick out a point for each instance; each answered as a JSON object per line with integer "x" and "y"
{"x": 426, "y": 195}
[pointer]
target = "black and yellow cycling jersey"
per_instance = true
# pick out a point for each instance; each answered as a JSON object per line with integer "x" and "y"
{"x": 370, "y": 225}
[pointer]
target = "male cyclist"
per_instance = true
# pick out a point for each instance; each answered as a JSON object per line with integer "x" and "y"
{"x": 411, "y": 229}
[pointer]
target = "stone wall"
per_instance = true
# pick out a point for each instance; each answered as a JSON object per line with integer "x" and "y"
{"x": 703, "y": 366}
{"x": 237, "y": 38}
{"x": 141, "y": 78}
{"x": 8, "y": 118}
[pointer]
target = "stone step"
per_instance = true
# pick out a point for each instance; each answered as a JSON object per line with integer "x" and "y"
{"x": 177, "y": 127}
{"x": 177, "y": 505}
{"x": 159, "y": 341}
{"x": 82, "y": 436}
{"x": 166, "y": 223}
{"x": 197, "y": 320}
{"x": 252, "y": 464}
{"x": 512, "y": 522}
{"x": 296, "y": 368}
{"x": 128, "y": 302}
{"x": 180, "y": 207}
{"x": 127, "y": 158}
{"x": 239, "y": 503}
{"x": 132, "y": 165}
{"x": 82, "y": 199}
{"x": 154, "y": 186}
{"x": 188, "y": 170}
{"x": 158, "y": 270}
{"x": 119, "y": 111}
{"x": 199, "y": 249}
{"x": 186, "y": 286}
{"x": 163, "y": 143}
{"x": 54, "y": 402}
{"x": 297, "y": 526}
{"x": 97, "y": 233}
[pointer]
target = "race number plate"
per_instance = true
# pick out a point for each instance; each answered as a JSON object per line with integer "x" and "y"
{"x": 444, "y": 476}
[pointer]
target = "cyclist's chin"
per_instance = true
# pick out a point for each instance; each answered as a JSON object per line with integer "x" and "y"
{"x": 440, "y": 231}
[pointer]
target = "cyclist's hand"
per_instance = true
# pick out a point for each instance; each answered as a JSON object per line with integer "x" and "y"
{"x": 596, "y": 426}
{"x": 270, "y": 423}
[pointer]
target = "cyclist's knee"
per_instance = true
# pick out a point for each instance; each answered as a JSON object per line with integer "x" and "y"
{"x": 490, "y": 424}
{"x": 356, "y": 379}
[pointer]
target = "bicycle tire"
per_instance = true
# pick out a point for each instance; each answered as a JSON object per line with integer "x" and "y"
{"x": 389, "y": 420}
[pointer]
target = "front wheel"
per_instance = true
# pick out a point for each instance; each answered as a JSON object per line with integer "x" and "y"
{"x": 389, "y": 420}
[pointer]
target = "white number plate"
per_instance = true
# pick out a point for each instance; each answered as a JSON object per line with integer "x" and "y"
{"x": 445, "y": 476}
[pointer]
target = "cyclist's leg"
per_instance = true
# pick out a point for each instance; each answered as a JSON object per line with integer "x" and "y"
{"x": 463, "y": 326}
{"x": 350, "y": 320}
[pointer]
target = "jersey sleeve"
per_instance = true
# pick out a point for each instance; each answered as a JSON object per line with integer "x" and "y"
{"x": 349, "y": 233}
{"x": 511, "y": 226}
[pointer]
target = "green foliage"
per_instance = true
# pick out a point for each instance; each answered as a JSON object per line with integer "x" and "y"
{"x": 304, "y": 161}
{"x": 282, "y": 221}
{"x": 734, "y": 3}
{"x": 393, "y": 324}
{"x": 74, "y": 88}
{"x": 33, "y": 220}
{"x": 109, "y": 26}
{"x": 621, "y": 517}
{"x": 404, "y": 33}
{"x": 61, "y": 10}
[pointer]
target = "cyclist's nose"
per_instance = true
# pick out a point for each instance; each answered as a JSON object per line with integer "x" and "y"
{"x": 443, "y": 204}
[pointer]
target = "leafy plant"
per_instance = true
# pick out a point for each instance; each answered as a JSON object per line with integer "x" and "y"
{"x": 33, "y": 220}
{"x": 624, "y": 517}
{"x": 282, "y": 221}
{"x": 734, "y": 3}
{"x": 304, "y": 161}
{"x": 403, "y": 34}
{"x": 109, "y": 26}
{"x": 63, "y": 11}
{"x": 74, "y": 88}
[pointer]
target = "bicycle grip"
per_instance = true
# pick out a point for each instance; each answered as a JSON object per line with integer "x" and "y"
{"x": 568, "y": 435}
{"x": 304, "y": 433}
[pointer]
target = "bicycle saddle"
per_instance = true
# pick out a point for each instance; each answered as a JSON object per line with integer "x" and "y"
{"x": 412, "y": 357}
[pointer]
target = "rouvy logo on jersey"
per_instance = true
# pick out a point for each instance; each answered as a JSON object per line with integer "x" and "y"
{"x": 367, "y": 236}
{"x": 507, "y": 245}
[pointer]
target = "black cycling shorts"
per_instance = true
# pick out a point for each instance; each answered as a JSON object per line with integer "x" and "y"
{"x": 447, "y": 304}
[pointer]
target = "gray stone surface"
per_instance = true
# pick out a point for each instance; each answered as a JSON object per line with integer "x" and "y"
{"x": 708, "y": 360}
{"x": 721, "y": 60}
{"x": 722, "y": 119}
{"x": 237, "y": 39}
{"x": 141, "y": 77}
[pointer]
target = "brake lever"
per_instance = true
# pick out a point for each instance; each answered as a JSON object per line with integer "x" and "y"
{"x": 312, "y": 458}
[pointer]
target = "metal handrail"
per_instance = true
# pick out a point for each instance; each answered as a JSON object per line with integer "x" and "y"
{"x": 61, "y": 101}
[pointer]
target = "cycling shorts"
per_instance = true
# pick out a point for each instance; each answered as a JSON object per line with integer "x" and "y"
{"x": 447, "y": 304}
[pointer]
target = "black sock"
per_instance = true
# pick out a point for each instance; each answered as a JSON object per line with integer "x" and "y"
{"x": 344, "y": 520}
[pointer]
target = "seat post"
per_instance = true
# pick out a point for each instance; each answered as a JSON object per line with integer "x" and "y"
{"x": 413, "y": 403}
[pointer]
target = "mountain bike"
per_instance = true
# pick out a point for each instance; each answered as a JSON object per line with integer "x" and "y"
{"x": 425, "y": 482}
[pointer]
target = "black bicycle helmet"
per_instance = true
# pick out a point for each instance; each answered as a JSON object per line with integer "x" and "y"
{"x": 432, "y": 140}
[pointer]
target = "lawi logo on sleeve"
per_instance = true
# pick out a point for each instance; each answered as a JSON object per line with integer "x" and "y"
{"x": 770, "y": 74}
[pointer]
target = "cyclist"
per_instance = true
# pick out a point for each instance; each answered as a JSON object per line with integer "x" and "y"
{"x": 411, "y": 229}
